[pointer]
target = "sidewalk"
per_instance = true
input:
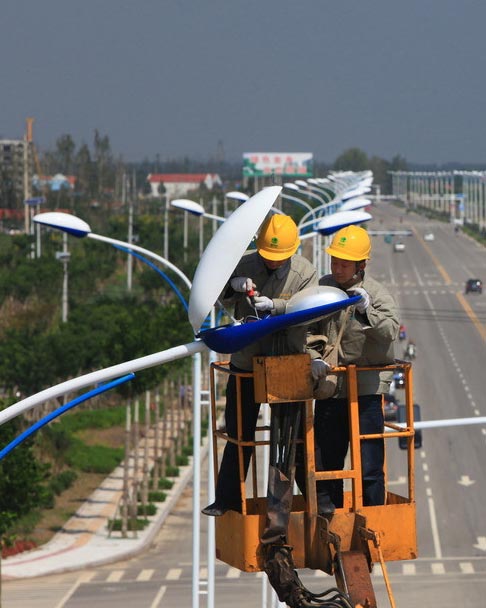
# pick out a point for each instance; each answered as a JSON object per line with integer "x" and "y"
{"x": 83, "y": 542}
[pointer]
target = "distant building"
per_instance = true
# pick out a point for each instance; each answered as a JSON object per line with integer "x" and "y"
{"x": 16, "y": 170}
{"x": 54, "y": 182}
{"x": 180, "y": 184}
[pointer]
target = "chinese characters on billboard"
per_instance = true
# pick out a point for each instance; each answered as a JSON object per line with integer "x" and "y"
{"x": 286, "y": 164}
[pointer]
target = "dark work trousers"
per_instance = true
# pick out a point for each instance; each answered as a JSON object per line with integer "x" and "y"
{"x": 228, "y": 491}
{"x": 331, "y": 434}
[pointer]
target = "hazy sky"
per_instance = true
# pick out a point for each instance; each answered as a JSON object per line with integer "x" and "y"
{"x": 176, "y": 77}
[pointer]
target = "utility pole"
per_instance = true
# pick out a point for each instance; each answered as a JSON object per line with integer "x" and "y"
{"x": 63, "y": 256}
{"x": 126, "y": 196}
{"x": 166, "y": 228}
{"x": 126, "y": 491}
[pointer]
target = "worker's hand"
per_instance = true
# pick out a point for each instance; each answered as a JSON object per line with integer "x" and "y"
{"x": 363, "y": 304}
{"x": 263, "y": 303}
{"x": 242, "y": 284}
{"x": 319, "y": 369}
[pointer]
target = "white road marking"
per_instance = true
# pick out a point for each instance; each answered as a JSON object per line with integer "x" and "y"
{"x": 173, "y": 574}
{"x": 438, "y": 568}
{"x": 145, "y": 575}
{"x": 233, "y": 573}
{"x": 409, "y": 569}
{"x": 434, "y": 528}
{"x": 115, "y": 576}
{"x": 84, "y": 578}
{"x": 158, "y": 597}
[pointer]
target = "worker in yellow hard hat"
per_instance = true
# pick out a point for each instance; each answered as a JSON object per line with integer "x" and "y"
{"x": 368, "y": 338}
{"x": 261, "y": 284}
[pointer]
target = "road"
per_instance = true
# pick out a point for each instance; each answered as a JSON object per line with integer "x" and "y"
{"x": 449, "y": 330}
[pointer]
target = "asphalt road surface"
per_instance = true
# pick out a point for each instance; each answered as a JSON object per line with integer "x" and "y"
{"x": 449, "y": 330}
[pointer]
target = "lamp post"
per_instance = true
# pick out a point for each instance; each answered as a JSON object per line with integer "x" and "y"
{"x": 198, "y": 210}
{"x": 77, "y": 227}
{"x": 63, "y": 256}
{"x": 234, "y": 195}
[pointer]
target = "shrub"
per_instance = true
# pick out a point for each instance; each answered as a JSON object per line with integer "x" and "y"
{"x": 116, "y": 524}
{"x": 94, "y": 458}
{"x": 165, "y": 484}
{"x": 182, "y": 461}
{"x": 149, "y": 509}
{"x": 155, "y": 496}
{"x": 62, "y": 481}
{"x": 172, "y": 471}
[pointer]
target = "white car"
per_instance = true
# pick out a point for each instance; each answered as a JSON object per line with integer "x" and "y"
{"x": 399, "y": 246}
{"x": 429, "y": 236}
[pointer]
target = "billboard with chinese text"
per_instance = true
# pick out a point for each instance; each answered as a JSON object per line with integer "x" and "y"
{"x": 286, "y": 164}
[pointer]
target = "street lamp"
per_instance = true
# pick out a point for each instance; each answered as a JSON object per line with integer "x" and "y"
{"x": 77, "y": 227}
{"x": 198, "y": 210}
{"x": 195, "y": 208}
{"x": 355, "y": 203}
{"x": 234, "y": 195}
{"x": 237, "y": 196}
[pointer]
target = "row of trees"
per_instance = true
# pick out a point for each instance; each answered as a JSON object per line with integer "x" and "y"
{"x": 106, "y": 325}
{"x": 99, "y": 171}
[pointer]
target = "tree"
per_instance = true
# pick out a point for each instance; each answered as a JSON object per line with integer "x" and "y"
{"x": 85, "y": 170}
{"x": 103, "y": 160}
{"x": 65, "y": 148}
{"x": 353, "y": 159}
{"x": 21, "y": 479}
{"x": 398, "y": 163}
{"x": 380, "y": 168}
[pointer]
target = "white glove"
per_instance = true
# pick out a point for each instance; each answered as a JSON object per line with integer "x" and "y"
{"x": 363, "y": 304}
{"x": 263, "y": 303}
{"x": 319, "y": 369}
{"x": 242, "y": 284}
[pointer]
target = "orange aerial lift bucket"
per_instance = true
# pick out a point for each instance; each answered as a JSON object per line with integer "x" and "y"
{"x": 381, "y": 533}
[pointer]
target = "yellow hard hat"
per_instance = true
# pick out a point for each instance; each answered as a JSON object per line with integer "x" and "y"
{"x": 350, "y": 243}
{"x": 278, "y": 238}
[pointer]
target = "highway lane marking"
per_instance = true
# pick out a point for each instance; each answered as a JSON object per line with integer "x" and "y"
{"x": 174, "y": 574}
{"x": 145, "y": 575}
{"x": 409, "y": 569}
{"x": 233, "y": 573}
{"x": 115, "y": 576}
{"x": 434, "y": 528}
{"x": 84, "y": 578}
{"x": 466, "y": 568}
{"x": 472, "y": 315}
{"x": 158, "y": 597}
{"x": 438, "y": 265}
{"x": 438, "y": 568}
{"x": 448, "y": 281}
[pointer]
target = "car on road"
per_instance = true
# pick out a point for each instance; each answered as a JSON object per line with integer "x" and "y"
{"x": 429, "y": 236}
{"x": 473, "y": 286}
{"x": 390, "y": 406}
{"x": 399, "y": 246}
{"x": 398, "y": 380}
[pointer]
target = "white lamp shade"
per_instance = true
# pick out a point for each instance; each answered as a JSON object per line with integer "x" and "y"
{"x": 224, "y": 251}
{"x": 63, "y": 221}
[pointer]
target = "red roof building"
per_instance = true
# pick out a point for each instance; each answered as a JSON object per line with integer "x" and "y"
{"x": 180, "y": 184}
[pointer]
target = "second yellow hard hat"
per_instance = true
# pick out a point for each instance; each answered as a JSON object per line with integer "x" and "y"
{"x": 350, "y": 243}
